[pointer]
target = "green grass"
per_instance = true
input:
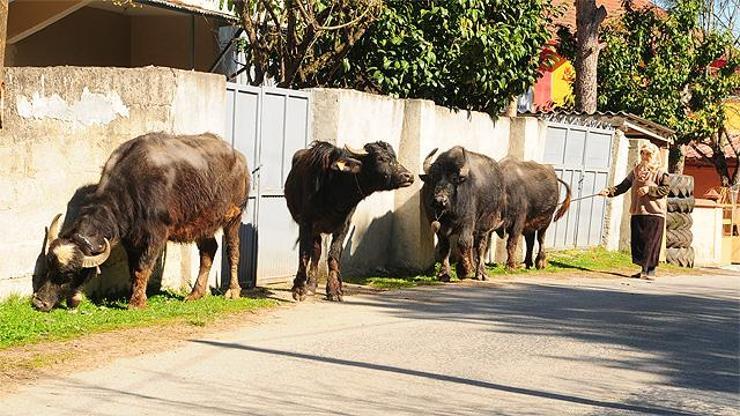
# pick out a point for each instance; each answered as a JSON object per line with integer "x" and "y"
{"x": 21, "y": 324}
{"x": 568, "y": 261}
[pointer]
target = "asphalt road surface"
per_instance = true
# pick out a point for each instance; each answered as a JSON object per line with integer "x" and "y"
{"x": 530, "y": 347}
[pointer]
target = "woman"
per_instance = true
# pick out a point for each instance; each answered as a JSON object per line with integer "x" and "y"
{"x": 649, "y": 187}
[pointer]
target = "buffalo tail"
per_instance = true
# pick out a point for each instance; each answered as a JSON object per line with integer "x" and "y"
{"x": 566, "y": 204}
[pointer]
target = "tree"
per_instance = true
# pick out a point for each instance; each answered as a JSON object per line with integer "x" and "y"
{"x": 588, "y": 21}
{"x": 469, "y": 54}
{"x": 300, "y": 43}
{"x": 663, "y": 66}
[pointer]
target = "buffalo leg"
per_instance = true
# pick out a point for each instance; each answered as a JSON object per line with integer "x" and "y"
{"x": 465, "y": 267}
{"x": 541, "y": 261}
{"x": 511, "y": 245}
{"x": 207, "y": 248}
{"x": 529, "y": 238}
{"x": 231, "y": 232}
{"x": 304, "y": 256}
{"x": 141, "y": 264}
{"x": 481, "y": 244}
{"x": 444, "y": 253}
{"x": 334, "y": 280}
{"x": 313, "y": 270}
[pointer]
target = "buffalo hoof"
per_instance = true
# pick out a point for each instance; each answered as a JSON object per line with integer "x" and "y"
{"x": 73, "y": 300}
{"x": 233, "y": 293}
{"x": 137, "y": 304}
{"x": 334, "y": 297}
{"x": 299, "y": 293}
{"x": 194, "y": 295}
{"x": 311, "y": 287}
{"x": 444, "y": 277}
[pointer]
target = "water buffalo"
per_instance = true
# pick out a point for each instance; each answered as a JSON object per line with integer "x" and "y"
{"x": 322, "y": 190}
{"x": 532, "y": 193}
{"x": 153, "y": 189}
{"x": 463, "y": 194}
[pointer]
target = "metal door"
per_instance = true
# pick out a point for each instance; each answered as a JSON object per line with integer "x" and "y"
{"x": 581, "y": 157}
{"x": 268, "y": 125}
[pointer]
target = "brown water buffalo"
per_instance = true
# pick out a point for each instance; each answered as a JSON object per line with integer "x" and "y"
{"x": 153, "y": 189}
{"x": 322, "y": 190}
{"x": 532, "y": 194}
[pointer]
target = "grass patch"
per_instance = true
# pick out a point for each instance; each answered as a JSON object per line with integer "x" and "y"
{"x": 597, "y": 260}
{"x": 394, "y": 282}
{"x": 21, "y": 324}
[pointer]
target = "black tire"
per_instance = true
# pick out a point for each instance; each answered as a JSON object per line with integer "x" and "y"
{"x": 678, "y": 221}
{"x": 680, "y": 186}
{"x": 682, "y": 205}
{"x": 678, "y": 238}
{"x": 683, "y": 256}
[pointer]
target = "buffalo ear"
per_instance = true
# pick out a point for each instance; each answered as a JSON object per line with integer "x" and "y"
{"x": 347, "y": 164}
{"x": 423, "y": 177}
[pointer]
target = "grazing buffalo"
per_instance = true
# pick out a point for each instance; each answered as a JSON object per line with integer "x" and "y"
{"x": 463, "y": 194}
{"x": 532, "y": 193}
{"x": 322, "y": 190}
{"x": 153, "y": 189}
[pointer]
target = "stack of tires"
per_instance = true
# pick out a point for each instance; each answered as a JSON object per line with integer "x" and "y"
{"x": 678, "y": 221}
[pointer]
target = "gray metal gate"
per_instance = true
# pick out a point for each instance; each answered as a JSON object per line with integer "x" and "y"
{"x": 581, "y": 157}
{"x": 268, "y": 125}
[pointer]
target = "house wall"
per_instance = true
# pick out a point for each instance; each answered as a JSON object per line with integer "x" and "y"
{"x": 96, "y": 37}
{"x": 60, "y": 125}
{"x": 86, "y": 37}
{"x": 705, "y": 177}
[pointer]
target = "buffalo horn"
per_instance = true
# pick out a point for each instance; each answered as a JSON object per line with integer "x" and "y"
{"x": 52, "y": 233}
{"x": 428, "y": 160}
{"x": 356, "y": 152}
{"x": 98, "y": 259}
{"x": 465, "y": 169}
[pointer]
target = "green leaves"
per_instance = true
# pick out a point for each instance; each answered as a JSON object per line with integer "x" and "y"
{"x": 470, "y": 54}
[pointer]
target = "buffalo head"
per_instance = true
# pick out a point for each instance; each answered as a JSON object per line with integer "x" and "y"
{"x": 376, "y": 166}
{"x": 443, "y": 177}
{"x": 65, "y": 264}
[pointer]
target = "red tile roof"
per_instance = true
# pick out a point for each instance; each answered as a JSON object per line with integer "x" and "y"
{"x": 691, "y": 153}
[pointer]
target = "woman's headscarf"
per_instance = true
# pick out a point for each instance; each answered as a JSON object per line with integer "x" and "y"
{"x": 644, "y": 169}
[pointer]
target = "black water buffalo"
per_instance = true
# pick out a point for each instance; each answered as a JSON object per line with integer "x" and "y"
{"x": 463, "y": 194}
{"x": 532, "y": 194}
{"x": 322, "y": 190}
{"x": 153, "y": 189}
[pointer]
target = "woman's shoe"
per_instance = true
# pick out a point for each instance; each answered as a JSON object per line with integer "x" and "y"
{"x": 636, "y": 275}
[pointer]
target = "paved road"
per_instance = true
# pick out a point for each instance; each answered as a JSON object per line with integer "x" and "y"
{"x": 532, "y": 347}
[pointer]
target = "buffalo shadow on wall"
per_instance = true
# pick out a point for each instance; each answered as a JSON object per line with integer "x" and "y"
{"x": 114, "y": 280}
{"x": 381, "y": 252}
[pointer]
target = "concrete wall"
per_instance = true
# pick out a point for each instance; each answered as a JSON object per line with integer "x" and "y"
{"x": 707, "y": 231}
{"x": 389, "y": 232}
{"x": 60, "y": 125}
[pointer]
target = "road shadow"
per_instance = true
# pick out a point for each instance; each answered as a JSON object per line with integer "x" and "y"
{"x": 692, "y": 340}
{"x": 655, "y": 410}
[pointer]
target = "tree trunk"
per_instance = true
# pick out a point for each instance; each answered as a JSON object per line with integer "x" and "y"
{"x": 676, "y": 160}
{"x": 588, "y": 20}
{"x": 512, "y": 109}
{"x": 3, "y": 36}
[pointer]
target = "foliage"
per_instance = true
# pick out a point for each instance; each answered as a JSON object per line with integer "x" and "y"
{"x": 470, "y": 54}
{"x": 300, "y": 43}
{"x": 21, "y": 324}
{"x": 662, "y": 66}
